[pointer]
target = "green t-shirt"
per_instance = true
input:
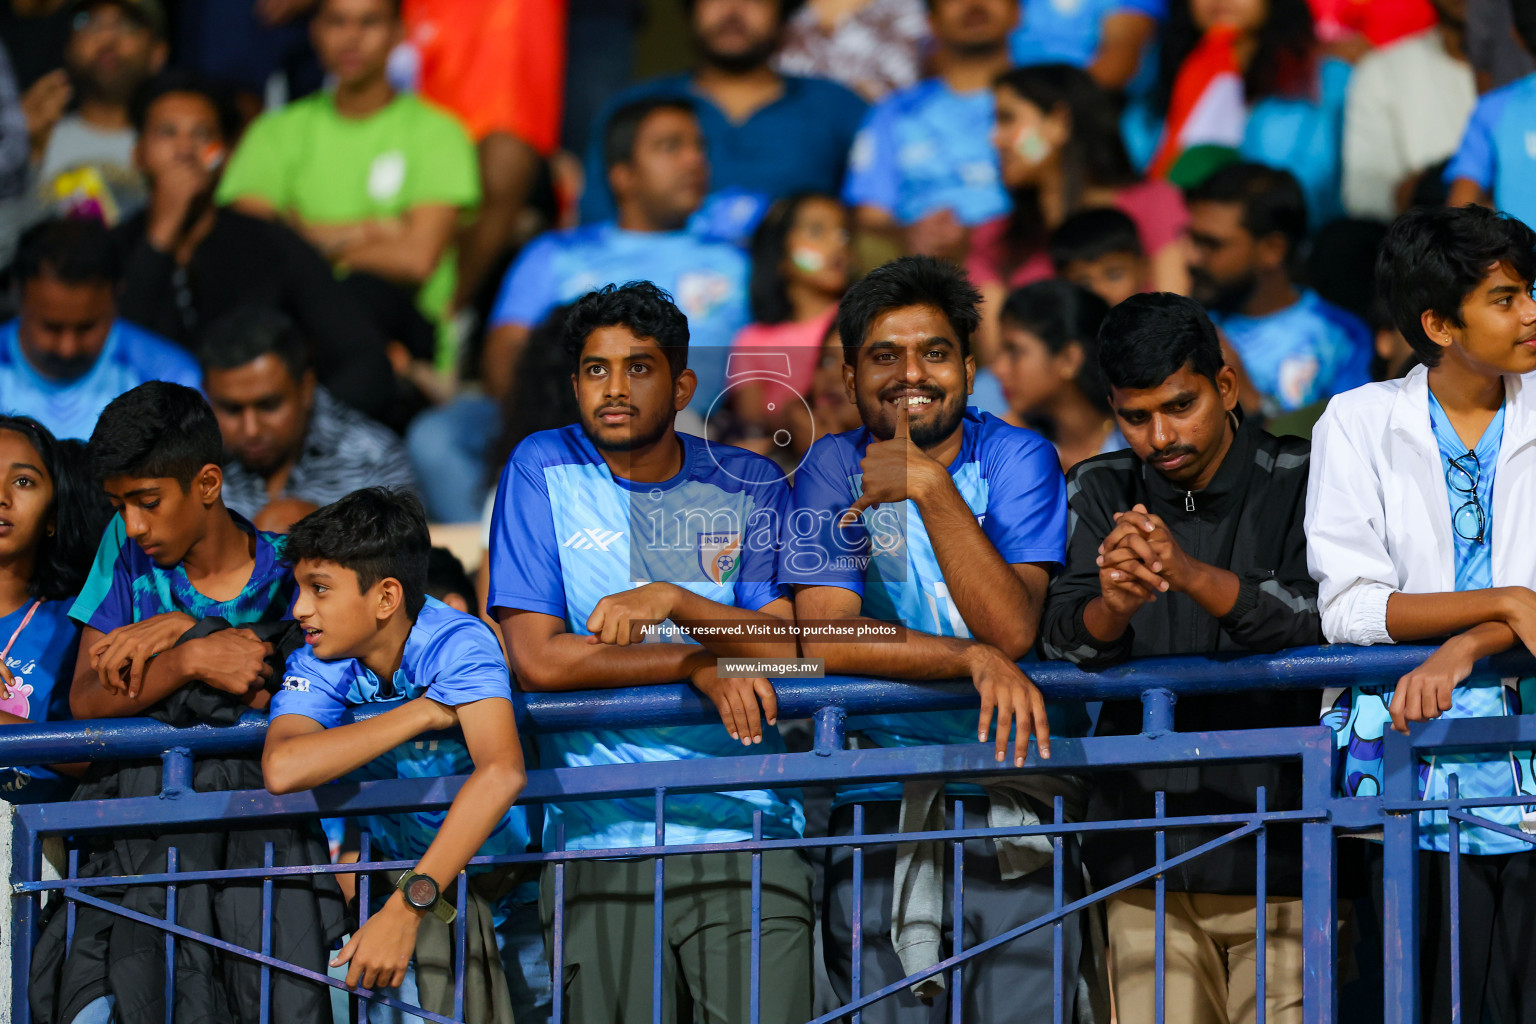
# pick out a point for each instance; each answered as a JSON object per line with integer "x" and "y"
{"x": 307, "y": 159}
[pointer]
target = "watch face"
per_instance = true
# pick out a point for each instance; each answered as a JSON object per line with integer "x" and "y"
{"x": 421, "y": 892}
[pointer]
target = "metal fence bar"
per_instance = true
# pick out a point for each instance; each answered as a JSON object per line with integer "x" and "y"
{"x": 265, "y": 1008}
{"x": 1159, "y": 917}
{"x": 1453, "y": 784}
{"x": 177, "y": 931}
{"x": 557, "y": 933}
{"x": 170, "y": 938}
{"x": 26, "y": 865}
{"x": 1400, "y": 885}
{"x": 1058, "y": 930}
{"x": 69, "y": 907}
{"x": 957, "y": 918}
{"x": 658, "y": 934}
{"x": 755, "y": 958}
{"x": 857, "y": 939}
{"x": 460, "y": 945}
{"x": 364, "y": 891}
{"x": 1260, "y": 914}
{"x": 1319, "y": 902}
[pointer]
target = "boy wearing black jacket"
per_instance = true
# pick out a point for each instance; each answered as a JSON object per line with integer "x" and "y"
{"x": 1188, "y": 543}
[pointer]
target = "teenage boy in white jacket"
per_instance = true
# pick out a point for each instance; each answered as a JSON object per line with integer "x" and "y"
{"x": 1417, "y": 529}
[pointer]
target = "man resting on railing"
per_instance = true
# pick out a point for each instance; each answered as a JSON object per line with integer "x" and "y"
{"x": 1189, "y": 542}
{"x": 1418, "y": 528}
{"x": 372, "y": 634}
{"x": 950, "y": 522}
{"x": 582, "y": 514}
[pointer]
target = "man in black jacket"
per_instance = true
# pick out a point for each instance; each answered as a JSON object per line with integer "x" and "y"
{"x": 1190, "y": 542}
{"x": 187, "y": 262}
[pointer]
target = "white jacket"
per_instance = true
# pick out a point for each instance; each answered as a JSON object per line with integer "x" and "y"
{"x": 1378, "y": 508}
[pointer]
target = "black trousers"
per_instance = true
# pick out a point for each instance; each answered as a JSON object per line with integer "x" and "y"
{"x": 1498, "y": 936}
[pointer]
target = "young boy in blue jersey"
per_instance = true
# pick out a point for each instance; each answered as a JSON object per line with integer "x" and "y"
{"x": 589, "y": 519}
{"x": 172, "y": 557}
{"x": 950, "y": 522}
{"x": 371, "y": 634}
{"x": 173, "y": 554}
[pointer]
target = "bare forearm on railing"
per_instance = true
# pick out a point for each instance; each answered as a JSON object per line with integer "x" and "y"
{"x": 300, "y": 753}
{"x": 1412, "y": 617}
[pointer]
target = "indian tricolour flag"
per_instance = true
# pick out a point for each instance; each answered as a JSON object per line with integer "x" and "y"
{"x": 1207, "y": 106}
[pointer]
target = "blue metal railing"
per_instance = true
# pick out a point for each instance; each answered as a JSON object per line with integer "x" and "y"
{"x": 1158, "y": 682}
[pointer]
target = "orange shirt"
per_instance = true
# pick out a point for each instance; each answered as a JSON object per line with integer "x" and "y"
{"x": 498, "y": 64}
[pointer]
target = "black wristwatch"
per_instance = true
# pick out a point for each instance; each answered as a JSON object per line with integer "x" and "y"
{"x": 420, "y": 891}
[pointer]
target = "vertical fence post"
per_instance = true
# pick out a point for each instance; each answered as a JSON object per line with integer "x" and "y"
{"x": 265, "y": 1009}
{"x": 170, "y": 938}
{"x": 1320, "y": 886}
{"x": 1058, "y": 930}
{"x": 26, "y": 866}
{"x": 857, "y": 937}
{"x": 461, "y": 946}
{"x": 756, "y": 958}
{"x": 557, "y": 933}
{"x": 364, "y": 887}
{"x": 658, "y": 932}
{"x": 1160, "y": 909}
{"x": 1400, "y": 883}
{"x": 1454, "y": 792}
{"x": 1261, "y": 911}
{"x": 957, "y": 926}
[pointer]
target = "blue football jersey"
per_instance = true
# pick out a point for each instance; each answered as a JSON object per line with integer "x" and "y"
{"x": 450, "y": 657}
{"x": 1308, "y": 351}
{"x": 1011, "y": 480}
{"x": 707, "y": 278}
{"x": 566, "y": 533}
{"x": 925, "y": 149}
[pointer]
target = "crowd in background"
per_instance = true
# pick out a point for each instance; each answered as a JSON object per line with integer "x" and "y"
{"x": 367, "y": 233}
{"x": 414, "y": 186}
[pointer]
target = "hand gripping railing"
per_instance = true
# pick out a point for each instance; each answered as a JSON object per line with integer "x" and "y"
{"x": 1157, "y": 682}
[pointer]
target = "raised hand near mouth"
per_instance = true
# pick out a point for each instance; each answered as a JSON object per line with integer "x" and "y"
{"x": 894, "y": 470}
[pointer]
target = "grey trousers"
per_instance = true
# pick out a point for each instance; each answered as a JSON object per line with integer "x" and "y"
{"x": 1013, "y": 982}
{"x": 707, "y": 936}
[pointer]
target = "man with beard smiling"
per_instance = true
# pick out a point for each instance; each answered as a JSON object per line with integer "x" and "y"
{"x": 584, "y": 515}
{"x": 1189, "y": 543}
{"x": 769, "y": 134}
{"x": 948, "y": 522}
{"x": 67, "y": 355}
{"x": 1246, "y": 222}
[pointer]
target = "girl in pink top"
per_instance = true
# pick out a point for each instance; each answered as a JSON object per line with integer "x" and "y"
{"x": 801, "y": 263}
{"x": 1059, "y": 147}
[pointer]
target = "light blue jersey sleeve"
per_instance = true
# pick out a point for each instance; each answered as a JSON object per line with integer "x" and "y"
{"x": 106, "y": 598}
{"x": 1026, "y": 499}
{"x": 1476, "y": 158}
{"x": 463, "y": 664}
{"x": 312, "y": 688}
{"x": 524, "y": 553}
{"x": 874, "y": 179}
{"x": 818, "y": 551}
{"x": 760, "y": 584}
{"x": 528, "y": 291}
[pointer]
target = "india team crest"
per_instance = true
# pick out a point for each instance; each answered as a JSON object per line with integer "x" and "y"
{"x": 720, "y": 556}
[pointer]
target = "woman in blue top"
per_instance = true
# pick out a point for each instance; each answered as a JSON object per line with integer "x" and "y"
{"x": 51, "y": 518}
